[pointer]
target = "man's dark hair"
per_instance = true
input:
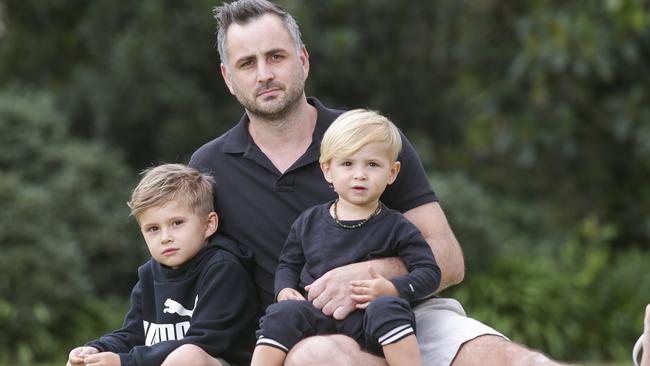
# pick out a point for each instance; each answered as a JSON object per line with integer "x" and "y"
{"x": 242, "y": 11}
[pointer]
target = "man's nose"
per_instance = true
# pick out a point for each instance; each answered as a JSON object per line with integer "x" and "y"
{"x": 264, "y": 72}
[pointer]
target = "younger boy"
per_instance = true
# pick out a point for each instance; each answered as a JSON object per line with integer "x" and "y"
{"x": 359, "y": 159}
{"x": 194, "y": 303}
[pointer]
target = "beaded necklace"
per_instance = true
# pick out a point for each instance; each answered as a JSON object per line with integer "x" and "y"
{"x": 358, "y": 224}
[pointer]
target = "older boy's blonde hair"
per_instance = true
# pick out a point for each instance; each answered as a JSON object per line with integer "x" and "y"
{"x": 356, "y": 128}
{"x": 168, "y": 182}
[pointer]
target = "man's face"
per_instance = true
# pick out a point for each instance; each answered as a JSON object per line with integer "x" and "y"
{"x": 264, "y": 71}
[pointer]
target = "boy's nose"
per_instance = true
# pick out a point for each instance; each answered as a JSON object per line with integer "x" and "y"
{"x": 166, "y": 237}
{"x": 360, "y": 174}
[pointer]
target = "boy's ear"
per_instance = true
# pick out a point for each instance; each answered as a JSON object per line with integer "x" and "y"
{"x": 394, "y": 170}
{"x": 211, "y": 224}
{"x": 325, "y": 167}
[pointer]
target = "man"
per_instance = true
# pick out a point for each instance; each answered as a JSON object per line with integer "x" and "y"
{"x": 267, "y": 173}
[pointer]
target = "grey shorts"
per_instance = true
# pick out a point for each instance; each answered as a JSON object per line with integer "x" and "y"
{"x": 442, "y": 327}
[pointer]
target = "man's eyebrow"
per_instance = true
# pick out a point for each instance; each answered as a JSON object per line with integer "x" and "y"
{"x": 275, "y": 50}
{"x": 266, "y": 53}
{"x": 244, "y": 58}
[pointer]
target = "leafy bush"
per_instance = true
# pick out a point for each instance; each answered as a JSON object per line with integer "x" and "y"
{"x": 568, "y": 294}
{"x": 487, "y": 224}
{"x": 578, "y": 302}
{"x": 64, "y": 229}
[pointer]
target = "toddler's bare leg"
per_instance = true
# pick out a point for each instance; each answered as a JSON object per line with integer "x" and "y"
{"x": 268, "y": 356}
{"x": 405, "y": 352}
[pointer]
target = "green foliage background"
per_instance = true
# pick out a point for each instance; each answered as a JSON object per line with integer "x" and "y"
{"x": 532, "y": 117}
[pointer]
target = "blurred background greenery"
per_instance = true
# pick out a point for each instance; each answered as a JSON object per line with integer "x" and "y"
{"x": 533, "y": 118}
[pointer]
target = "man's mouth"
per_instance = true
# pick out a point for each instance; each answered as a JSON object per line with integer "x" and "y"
{"x": 268, "y": 88}
{"x": 266, "y": 92}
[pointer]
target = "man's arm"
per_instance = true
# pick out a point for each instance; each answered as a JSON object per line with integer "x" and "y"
{"x": 331, "y": 292}
{"x": 432, "y": 223}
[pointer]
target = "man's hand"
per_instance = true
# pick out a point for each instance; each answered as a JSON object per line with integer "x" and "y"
{"x": 103, "y": 359}
{"x": 78, "y": 355}
{"x": 364, "y": 291}
{"x": 288, "y": 293}
{"x": 331, "y": 292}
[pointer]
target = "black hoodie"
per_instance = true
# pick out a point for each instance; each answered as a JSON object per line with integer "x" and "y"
{"x": 210, "y": 301}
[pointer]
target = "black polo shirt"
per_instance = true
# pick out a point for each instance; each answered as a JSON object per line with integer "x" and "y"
{"x": 257, "y": 204}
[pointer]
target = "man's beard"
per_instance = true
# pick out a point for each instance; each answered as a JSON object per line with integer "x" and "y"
{"x": 278, "y": 108}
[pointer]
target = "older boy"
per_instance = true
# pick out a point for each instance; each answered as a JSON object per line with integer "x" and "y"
{"x": 359, "y": 158}
{"x": 194, "y": 303}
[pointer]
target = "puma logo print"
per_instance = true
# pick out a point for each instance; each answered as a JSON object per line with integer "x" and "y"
{"x": 173, "y": 307}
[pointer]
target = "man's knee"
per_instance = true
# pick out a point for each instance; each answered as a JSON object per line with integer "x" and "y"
{"x": 190, "y": 354}
{"x": 330, "y": 350}
{"x": 315, "y": 350}
{"x": 495, "y": 350}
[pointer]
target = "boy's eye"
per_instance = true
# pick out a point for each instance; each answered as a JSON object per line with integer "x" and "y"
{"x": 151, "y": 229}
{"x": 346, "y": 163}
{"x": 373, "y": 164}
{"x": 177, "y": 222}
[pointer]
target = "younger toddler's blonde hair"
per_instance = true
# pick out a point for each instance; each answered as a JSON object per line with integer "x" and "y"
{"x": 356, "y": 128}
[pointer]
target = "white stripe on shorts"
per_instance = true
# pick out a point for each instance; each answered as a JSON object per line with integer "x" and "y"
{"x": 272, "y": 343}
{"x": 396, "y": 334}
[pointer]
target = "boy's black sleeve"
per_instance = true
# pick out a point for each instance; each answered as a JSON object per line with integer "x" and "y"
{"x": 291, "y": 262}
{"x": 423, "y": 278}
{"x": 223, "y": 323}
{"x": 132, "y": 331}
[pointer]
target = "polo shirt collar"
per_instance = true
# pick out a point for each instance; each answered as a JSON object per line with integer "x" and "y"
{"x": 239, "y": 140}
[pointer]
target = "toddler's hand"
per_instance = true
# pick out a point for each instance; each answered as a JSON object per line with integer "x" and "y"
{"x": 289, "y": 294}
{"x": 364, "y": 291}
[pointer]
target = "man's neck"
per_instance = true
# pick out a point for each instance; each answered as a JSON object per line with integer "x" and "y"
{"x": 284, "y": 140}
